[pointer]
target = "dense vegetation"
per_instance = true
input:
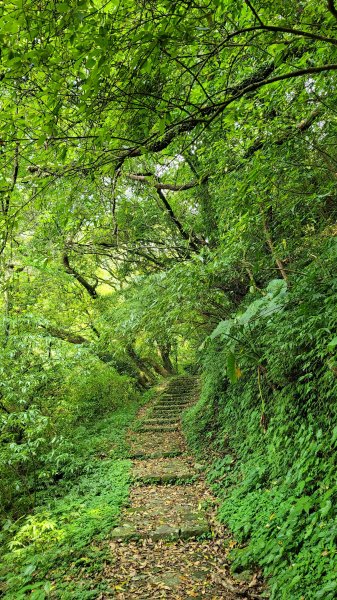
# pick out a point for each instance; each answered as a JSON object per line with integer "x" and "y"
{"x": 168, "y": 202}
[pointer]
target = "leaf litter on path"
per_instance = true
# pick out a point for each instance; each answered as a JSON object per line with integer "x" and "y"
{"x": 163, "y": 469}
{"x": 162, "y": 562}
{"x": 156, "y": 443}
{"x": 177, "y": 570}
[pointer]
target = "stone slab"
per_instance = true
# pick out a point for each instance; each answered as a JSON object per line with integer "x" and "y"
{"x": 142, "y": 456}
{"x": 167, "y": 406}
{"x": 163, "y": 512}
{"x": 163, "y": 470}
{"x": 157, "y": 428}
{"x": 155, "y": 442}
{"x": 161, "y": 421}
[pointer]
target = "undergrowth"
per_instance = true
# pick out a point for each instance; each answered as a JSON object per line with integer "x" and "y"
{"x": 268, "y": 409}
{"x": 58, "y": 549}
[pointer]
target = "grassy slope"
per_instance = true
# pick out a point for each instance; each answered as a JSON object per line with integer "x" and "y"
{"x": 57, "y": 550}
{"x": 279, "y": 487}
{"x": 278, "y": 503}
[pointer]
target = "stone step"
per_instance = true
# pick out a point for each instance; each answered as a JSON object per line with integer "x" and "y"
{"x": 162, "y": 513}
{"x": 178, "y": 398}
{"x": 164, "y": 414}
{"x": 165, "y": 406}
{"x": 157, "y": 443}
{"x": 161, "y": 421}
{"x": 170, "y": 407}
{"x": 163, "y": 471}
{"x": 184, "y": 379}
{"x": 176, "y": 417}
{"x": 169, "y": 401}
{"x": 168, "y": 410}
{"x": 179, "y": 382}
{"x": 179, "y": 390}
{"x": 168, "y": 479}
{"x": 163, "y": 428}
{"x": 178, "y": 393}
{"x": 181, "y": 393}
{"x": 182, "y": 386}
{"x": 174, "y": 400}
{"x": 159, "y": 454}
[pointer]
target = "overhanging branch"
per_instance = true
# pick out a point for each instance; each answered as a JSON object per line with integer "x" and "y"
{"x": 91, "y": 289}
{"x": 164, "y": 186}
{"x": 64, "y": 335}
{"x": 299, "y": 128}
{"x": 212, "y": 112}
{"x": 193, "y": 243}
{"x": 332, "y": 8}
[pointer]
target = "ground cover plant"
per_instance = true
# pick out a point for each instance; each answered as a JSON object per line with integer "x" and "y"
{"x": 59, "y": 544}
{"x": 269, "y": 408}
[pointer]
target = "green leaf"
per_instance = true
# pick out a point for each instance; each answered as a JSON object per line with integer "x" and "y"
{"x": 231, "y": 368}
{"x": 332, "y": 344}
{"x": 222, "y": 329}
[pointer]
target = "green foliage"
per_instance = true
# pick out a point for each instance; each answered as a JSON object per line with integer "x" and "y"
{"x": 276, "y": 475}
{"x": 44, "y": 399}
{"x": 97, "y": 389}
{"x": 168, "y": 201}
{"x": 72, "y": 518}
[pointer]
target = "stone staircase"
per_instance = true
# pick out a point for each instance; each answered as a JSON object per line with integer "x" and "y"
{"x": 170, "y": 509}
{"x": 165, "y": 415}
{"x": 162, "y": 547}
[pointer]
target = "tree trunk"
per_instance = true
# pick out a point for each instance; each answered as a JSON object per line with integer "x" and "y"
{"x": 146, "y": 376}
{"x": 164, "y": 351}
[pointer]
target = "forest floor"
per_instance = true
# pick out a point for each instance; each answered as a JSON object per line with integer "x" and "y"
{"x": 168, "y": 543}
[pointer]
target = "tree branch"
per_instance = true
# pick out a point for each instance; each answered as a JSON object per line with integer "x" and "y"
{"x": 164, "y": 186}
{"x": 280, "y": 29}
{"x": 251, "y": 84}
{"x": 259, "y": 84}
{"x": 91, "y": 289}
{"x": 193, "y": 244}
{"x": 155, "y": 145}
{"x": 64, "y": 335}
{"x": 254, "y": 12}
{"x": 332, "y": 8}
{"x": 299, "y": 128}
{"x": 304, "y": 125}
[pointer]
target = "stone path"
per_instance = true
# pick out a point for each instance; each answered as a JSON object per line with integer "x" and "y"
{"x": 168, "y": 544}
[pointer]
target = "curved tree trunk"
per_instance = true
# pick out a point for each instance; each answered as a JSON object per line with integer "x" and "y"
{"x": 164, "y": 351}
